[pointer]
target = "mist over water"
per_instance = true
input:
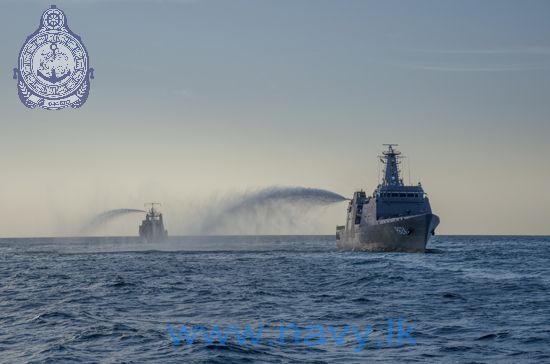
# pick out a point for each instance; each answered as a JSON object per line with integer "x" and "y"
{"x": 269, "y": 210}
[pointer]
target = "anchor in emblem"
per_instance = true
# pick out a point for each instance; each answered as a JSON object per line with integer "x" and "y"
{"x": 52, "y": 61}
{"x": 53, "y": 71}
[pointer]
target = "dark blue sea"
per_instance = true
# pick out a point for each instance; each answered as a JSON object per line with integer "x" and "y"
{"x": 470, "y": 299}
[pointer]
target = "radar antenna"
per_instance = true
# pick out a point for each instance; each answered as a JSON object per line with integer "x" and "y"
{"x": 391, "y": 160}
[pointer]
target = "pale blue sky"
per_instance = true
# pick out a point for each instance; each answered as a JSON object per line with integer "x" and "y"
{"x": 196, "y": 97}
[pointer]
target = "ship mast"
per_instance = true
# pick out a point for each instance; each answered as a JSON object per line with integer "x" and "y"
{"x": 390, "y": 159}
{"x": 152, "y": 211}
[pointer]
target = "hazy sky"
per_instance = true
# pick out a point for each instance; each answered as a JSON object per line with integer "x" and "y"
{"x": 195, "y": 98}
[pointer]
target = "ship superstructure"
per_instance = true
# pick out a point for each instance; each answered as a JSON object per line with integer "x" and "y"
{"x": 152, "y": 228}
{"x": 396, "y": 217}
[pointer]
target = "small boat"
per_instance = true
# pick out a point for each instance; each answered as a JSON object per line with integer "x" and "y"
{"x": 152, "y": 228}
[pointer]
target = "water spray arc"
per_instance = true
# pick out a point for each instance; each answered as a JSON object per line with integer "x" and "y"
{"x": 107, "y": 216}
{"x": 257, "y": 206}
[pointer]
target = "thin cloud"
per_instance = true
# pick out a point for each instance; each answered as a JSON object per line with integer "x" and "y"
{"x": 475, "y": 67}
{"x": 183, "y": 93}
{"x": 526, "y": 50}
{"x": 113, "y": 1}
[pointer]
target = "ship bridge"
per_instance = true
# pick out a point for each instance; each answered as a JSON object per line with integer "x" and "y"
{"x": 393, "y": 197}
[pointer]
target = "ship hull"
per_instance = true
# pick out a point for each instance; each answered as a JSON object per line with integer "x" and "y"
{"x": 408, "y": 234}
{"x": 152, "y": 231}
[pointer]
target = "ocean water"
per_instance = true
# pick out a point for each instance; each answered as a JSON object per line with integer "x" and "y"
{"x": 470, "y": 299}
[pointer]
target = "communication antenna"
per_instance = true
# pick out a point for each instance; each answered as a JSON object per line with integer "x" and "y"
{"x": 152, "y": 204}
{"x": 409, "y": 165}
{"x": 152, "y": 210}
{"x": 378, "y": 171}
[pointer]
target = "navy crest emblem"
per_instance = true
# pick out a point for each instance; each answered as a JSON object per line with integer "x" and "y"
{"x": 53, "y": 68}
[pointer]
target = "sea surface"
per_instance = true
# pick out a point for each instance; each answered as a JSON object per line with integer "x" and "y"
{"x": 470, "y": 299}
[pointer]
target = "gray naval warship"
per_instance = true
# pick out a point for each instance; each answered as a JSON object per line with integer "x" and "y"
{"x": 397, "y": 217}
{"x": 152, "y": 228}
